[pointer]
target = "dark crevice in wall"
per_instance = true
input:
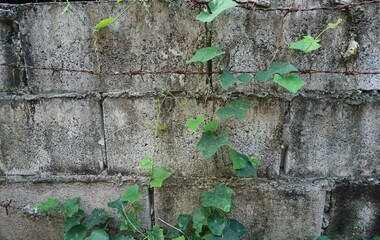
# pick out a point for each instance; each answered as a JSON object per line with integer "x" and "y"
{"x": 102, "y": 141}
{"x": 209, "y": 63}
{"x": 151, "y": 205}
{"x": 284, "y": 164}
{"x": 326, "y": 212}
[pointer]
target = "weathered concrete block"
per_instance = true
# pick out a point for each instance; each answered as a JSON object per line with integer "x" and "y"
{"x": 15, "y": 223}
{"x": 130, "y": 124}
{"x": 354, "y": 212}
{"x": 276, "y": 210}
{"x": 251, "y": 42}
{"x": 152, "y": 42}
{"x": 58, "y": 136}
{"x": 331, "y": 137}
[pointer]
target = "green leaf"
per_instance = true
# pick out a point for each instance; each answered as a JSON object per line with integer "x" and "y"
{"x": 275, "y": 67}
{"x": 118, "y": 205}
{"x": 334, "y": 25}
{"x": 159, "y": 174}
{"x": 307, "y": 44}
{"x": 244, "y": 78}
{"x": 156, "y": 234}
{"x": 233, "y": 230}
{"x": 162, "y": 127}
{"x": 183, "y": 220}
{"x": 131, "y": 194}
{"x": 193, "y": 124}
{"x": 209, "y": 143}
{"x": 200, "y": 216}
{"x": 227, "y": 79}
{"x": 130, "y": 223}
{"x": 47, "y": 205}
{"x": 104, "y": 23}
{"x": 205, "y": 54}
{"x": 238, "y": 110}
{"x": 146, "y": 163}
{"x": 254, "y": 161}
{"x": 179, "y": 238}
{"x": 248, "y": 171}
{"x": 220, "y": 198}
{"x": 74, "y": 220}
{"x": 216, "y": 7}
{"x": 97, "y": 216}
{"x": 121, "y": 237}
{"x": 211, "y": 126}
{"x": 239, "y": 161}
{"x": 327, "y": 238}
{"x": 292, "y": 83}
{"x": 216, "y": 223}
{"x": 70, "y": 207}
{"x": 77, "y": 232}
{"x": 98, "y": 234}
{"x": 119, "y": 1}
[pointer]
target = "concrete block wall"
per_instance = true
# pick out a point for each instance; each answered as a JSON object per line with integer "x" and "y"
{"x": 77, "y": 116}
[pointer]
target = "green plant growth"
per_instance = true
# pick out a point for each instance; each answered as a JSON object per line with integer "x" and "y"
{"x": 208, "y": 221}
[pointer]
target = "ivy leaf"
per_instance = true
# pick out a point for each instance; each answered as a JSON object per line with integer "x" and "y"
{"x": 220, "y": 198}
{"x": 104, "y": 23}
{"x": 292, "y": 83}
{"x": 131, "y": 194}
{"x": 307, "y": 44}
{"x": 239, "y": 161}
{"x": 238, "y": 110}
{"x": 205, "y": 54}
{"x": 248, "y": 171}
{"x": 275, "y": 67}
{"x": 244, "y": 78}
{"x": 146, "y": 163}
{"x": 130, "y": 223}
{"x": 227, "y": 79}
{"x": 200, "y": 216}
{"x": 254, "y": 161}
{"x": 211, "y": 126}
{"x": 74, "y": 220}
{"x": 179, "y": 238}
{"x": 118, "y": 205}
{"x": 216, "y": 7}
{"x": 70, "y": 207}
{"x": 121, "y": 237}
{"x": 156, "y": 234}
{"x": 77, "y": 232}
{"x": 97, "y": 215}
{"x": 47, "y": 205}
{"x": 159, "y": 174}
{"x": 182, "y": 221}
{"x": 98, "y": 234}
{"x": 193, "y": 124}
{"x": 216, "y": 223}
{"x": 209, "y": 143}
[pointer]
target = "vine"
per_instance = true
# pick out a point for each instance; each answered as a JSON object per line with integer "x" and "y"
{"x": 207, "y": 221}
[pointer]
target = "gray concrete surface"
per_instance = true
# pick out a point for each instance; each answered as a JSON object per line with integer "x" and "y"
{"x": 77, "y": 113}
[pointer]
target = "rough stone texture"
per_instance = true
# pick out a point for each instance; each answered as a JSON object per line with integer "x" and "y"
{"x": 58, "y": 136}
{"x": 355, "y": 212}
{"x": 18, "y": 224}
{"x": 130, "y": 127}
{"x": 126, "y": 46}
{"x": 86, "y": 105}
{"x": 331, "y": 137}
{"x": 250, "y": 41}
{"x": 276, "y": 210}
